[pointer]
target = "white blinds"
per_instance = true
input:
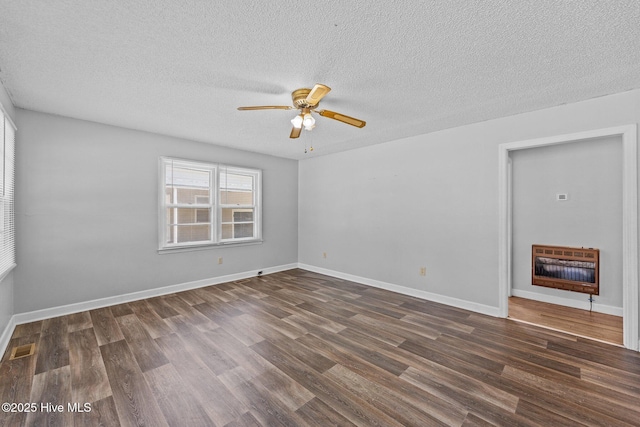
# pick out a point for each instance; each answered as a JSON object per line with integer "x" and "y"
{"x": 7, "y": 223}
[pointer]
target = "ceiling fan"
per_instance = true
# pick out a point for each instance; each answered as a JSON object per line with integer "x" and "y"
{"x": 307, "y": 100}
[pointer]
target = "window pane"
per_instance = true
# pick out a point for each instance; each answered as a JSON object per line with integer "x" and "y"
{"x": 237, "y": 231}
{"x": 237, "y": 223}
{"x": 227, "y": 231}
{"x": 236, "y": 189}
{"x": 188, "y": 233}
{"x": 242, "y": 230}
{"x": 203, "y": 215}
{"x": 243, "y": 216}
{"x": 193, "y": 195}
{"x": 236, "y": 197}
{"x": 185, "y": 185}
{"x": 236, "y": 215}
{"x": 187, "y": 215}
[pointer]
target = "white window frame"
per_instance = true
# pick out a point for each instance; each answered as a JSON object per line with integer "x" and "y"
{"x": 215, "y": 219}
{"x": 7, "y": 175}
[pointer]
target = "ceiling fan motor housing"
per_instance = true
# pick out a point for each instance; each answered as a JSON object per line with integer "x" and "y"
{"x": 299, "y": 97}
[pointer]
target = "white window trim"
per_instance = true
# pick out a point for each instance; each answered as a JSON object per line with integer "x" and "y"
{"x": 7, "y": 195}
{"x": 216, "y": 208}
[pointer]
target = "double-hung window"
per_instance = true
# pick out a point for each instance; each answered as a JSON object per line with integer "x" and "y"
{"x": 205, "y": 204}
{"x": 7, "y": 224}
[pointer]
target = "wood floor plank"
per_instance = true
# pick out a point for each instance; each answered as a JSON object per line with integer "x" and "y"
{"x": 53, "y": 351}
{"x": 79, "y": 321}
{"x": 191, "y": 297}
{"x": 267, "y": 306}
{"x": 174, "y": 398}
{"x": 443, "y": 410}
{"x": 594, "y": 353}
{"x": 133, "y": 397}
{"x": 397, "y": 327}
{"x": 383, "y": 399}
{"x": 144, "y": 349}
{"x": 162, "y": 307}
{"x": 265, "y": 407}
{"x": 526, "y": 360}
{"x": 192, "y": 315}
{"x": 89, "y": 382}
{"x": 203, "y": 384}
{"x": 369, "y": 354}
{"x": 351, "y": 407}
{"x": 16, "y": 382}
{"x": 301, "y": 348}
{"x": 618, "y": 406}
{"x": 587, "y": 323}
{"x": 208, "y": 351}
{"x": 310, "y": 357}
{"x": 241, "y": 327}
{"x": 318, "y": 414}
{"x": 450, "y": 356}
{"x": 105, "y": 326}
{"x": 618, "y": 380}
{"x": 249, "y": 364}
{"x": 153, "y": 323}
{"x": 218, "y": 311}
{"x": 495, "y": 414}
{"x": 51, "y": 390}
{"x": 121, "y": 310}
{"x": 27, "y": 329}
{"x": 543, "y": 416}
{"x": 245, "y": 420}
{"x": 443, "y": 374}
{"x": 285, "y": 389}
{"x": 103, "y": 414}
{"x": 473, "y": 420}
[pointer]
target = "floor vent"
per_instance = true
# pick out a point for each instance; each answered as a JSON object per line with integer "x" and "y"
{"x": 22, "y": 351}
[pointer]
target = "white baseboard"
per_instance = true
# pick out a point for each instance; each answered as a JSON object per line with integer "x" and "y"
{"x": 583, "y": 305}
{"x": 64, "y": 310}
{"x": 442, "y": 299}
{"x": 5, "y": 337}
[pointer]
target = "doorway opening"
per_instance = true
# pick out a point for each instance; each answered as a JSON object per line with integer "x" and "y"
{"x": 629, "y": 220}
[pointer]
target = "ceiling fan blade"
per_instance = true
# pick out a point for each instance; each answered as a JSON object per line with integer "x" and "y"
{"x": 342, "y": 118}
{"x": 295, "y": 132}
{"x": 317, "y": 93}
{"x": 266, "y": 107}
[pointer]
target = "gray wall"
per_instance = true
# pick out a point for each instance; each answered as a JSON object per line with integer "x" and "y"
{"x": 591, "y": 173}
{"x": 6, "y": 284}
{"x": 384, "y": 211}
{"x": 87, "y": 213}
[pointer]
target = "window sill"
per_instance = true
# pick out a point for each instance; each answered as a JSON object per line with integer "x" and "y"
{"x": 7, "y": 271}
{"x": 175, "y": 249}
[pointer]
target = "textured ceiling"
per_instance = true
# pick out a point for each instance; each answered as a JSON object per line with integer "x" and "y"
{"x": 407, "y": 67}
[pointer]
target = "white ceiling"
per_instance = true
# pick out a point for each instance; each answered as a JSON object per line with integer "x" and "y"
{"x": 406, "y": 67}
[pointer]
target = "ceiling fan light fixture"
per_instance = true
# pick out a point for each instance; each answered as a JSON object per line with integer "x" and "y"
{"x": 297, "y": 121}
{"x": 308, "y": 121}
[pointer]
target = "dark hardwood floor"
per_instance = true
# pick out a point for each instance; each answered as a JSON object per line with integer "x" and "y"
{"x": 301, "y": 349}
{"x": 585, "y": 323}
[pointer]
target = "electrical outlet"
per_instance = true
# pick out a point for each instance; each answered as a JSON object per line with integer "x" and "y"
{"x": 324, "y": 254}
{"x": 423, "y": 271}
{"x": 220, "y": 260}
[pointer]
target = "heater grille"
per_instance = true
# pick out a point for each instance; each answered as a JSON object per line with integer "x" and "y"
{"x": 571, "y": 269}
{"x": 22, "y": 351}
